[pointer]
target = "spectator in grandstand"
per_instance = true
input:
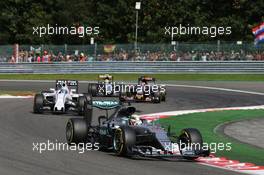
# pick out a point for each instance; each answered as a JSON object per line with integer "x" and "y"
{"x": 148, "y": 55}
{"x": 82, "y": 57}
{"x": 174, "y": 57}
{"x": 30, "y": 58}
{"x": 45, "y": 57}
{"x": 38, "y": 58}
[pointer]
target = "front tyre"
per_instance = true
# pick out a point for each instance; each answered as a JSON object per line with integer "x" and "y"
{"x": 190, "y": 138}
{"x": 38, "y": 104}
{"x": 76, "y": 131}
{"x": 123, "y": 141}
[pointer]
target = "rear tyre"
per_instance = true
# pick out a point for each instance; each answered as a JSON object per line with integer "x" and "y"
{"x": 162, "y": 97}
{"x": 156, "y": 98}
{"x": 190, "y": 137}
{"x": 81, "y": 103}
{"x": 92, "y": 89}
{"x": 76, "y": 131}
{"x": 38, "y": 104}
{"x": 123, "y": 141}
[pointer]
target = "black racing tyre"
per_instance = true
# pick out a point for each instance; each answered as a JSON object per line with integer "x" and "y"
{"x": 76, "y": 131}
{"x": 80, "y": 105}
{"x": 162, "y": 97}
{"x": 156, "y": 98}
{"x": 92, "y": 89}
{"x": 190, "y": 137}
{"x": 38, "y": 104}
{"x": 123, "y": 141}
{"x": 89, "y": 88}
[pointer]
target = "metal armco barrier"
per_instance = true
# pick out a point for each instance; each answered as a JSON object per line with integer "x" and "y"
{"x": 134, "y": 67}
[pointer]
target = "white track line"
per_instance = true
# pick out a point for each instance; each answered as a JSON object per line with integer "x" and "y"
{"x": 182, "y": 112}
{"x": 216, "y": 88}
{"x": 13, "y": 97}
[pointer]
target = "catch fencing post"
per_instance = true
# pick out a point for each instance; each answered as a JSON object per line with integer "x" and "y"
{"x": 65, "y": 49}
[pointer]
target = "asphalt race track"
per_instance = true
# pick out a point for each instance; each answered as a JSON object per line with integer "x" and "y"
{"x": 20, "y": 128}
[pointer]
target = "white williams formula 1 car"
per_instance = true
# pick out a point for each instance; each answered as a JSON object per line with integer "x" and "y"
{"x": 62, "y": 99}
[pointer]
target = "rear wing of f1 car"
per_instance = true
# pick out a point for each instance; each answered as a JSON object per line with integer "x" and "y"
{"x": 105, "y": 76}
{"x": 103, "y": 104}
{"x": 146, "y": 78}
{"x": 72, "y": 84}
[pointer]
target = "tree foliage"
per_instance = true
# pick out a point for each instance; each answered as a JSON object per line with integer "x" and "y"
{"x": 116, "y": 19}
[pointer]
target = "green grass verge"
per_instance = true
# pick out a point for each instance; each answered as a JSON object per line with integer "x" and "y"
{"x": 206, "y": 123}
{"x": 162, "y": 77}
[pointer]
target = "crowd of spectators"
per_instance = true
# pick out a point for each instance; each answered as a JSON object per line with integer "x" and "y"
{"x": 46, "y": 56}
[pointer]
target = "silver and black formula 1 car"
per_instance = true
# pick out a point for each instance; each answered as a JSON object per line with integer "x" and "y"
{"x": 127, "y": 135}
{"x": 104, "y": 87}
{"x": 145, "y": 91}
{"x": 61, "y": 99}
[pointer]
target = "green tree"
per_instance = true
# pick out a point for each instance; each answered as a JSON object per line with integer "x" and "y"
{"x": 116, "y": 19}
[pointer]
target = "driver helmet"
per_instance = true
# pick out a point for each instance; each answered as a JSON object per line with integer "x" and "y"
{"x": 107, "y": 81}
{"x": 144, "y": 82}
{"x": 135, "y": 120}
